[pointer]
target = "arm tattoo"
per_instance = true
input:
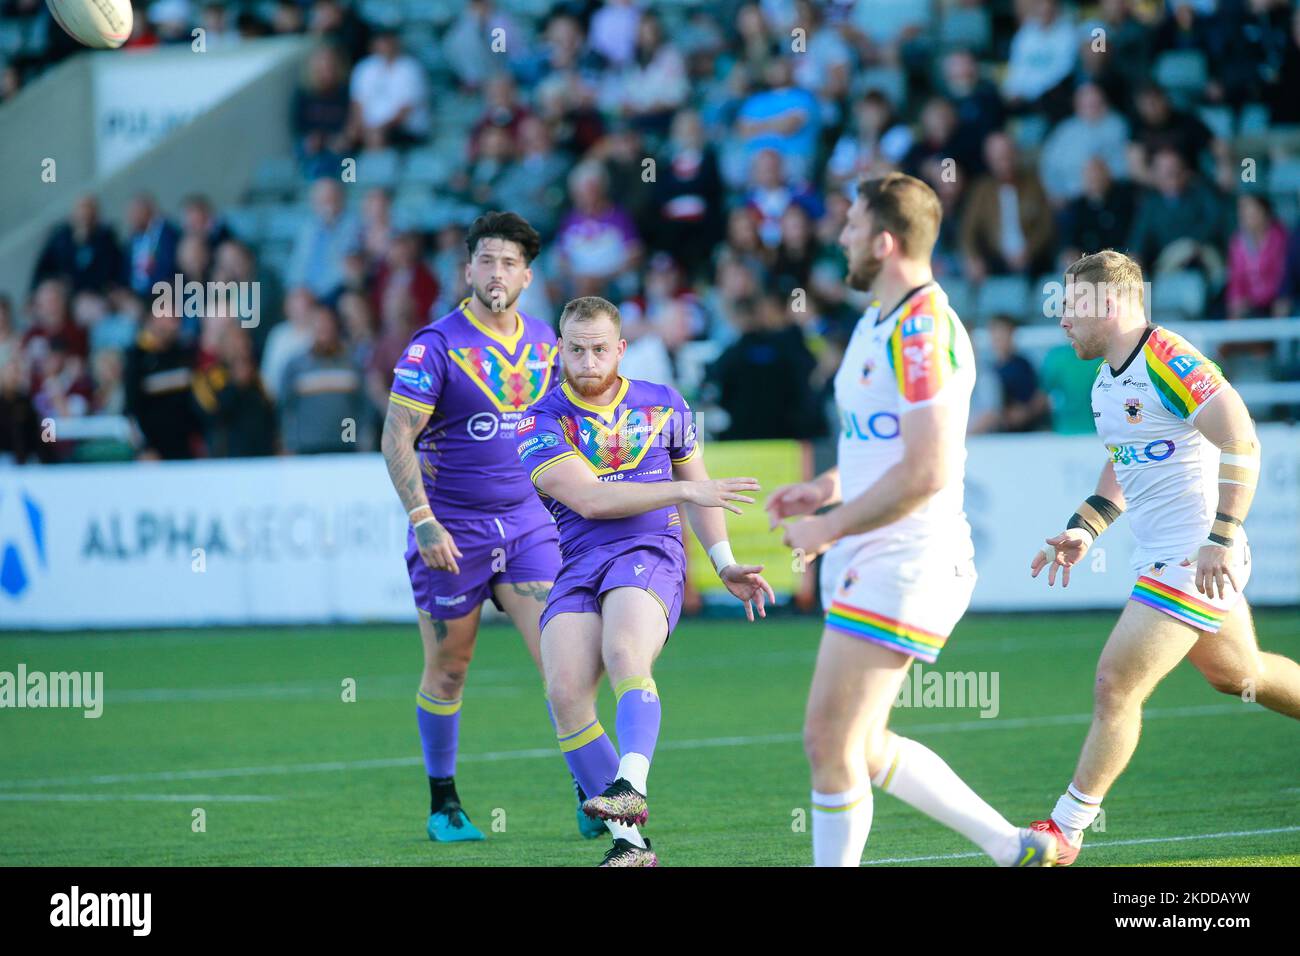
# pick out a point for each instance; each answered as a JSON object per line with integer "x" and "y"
{"x": 401, "y": 427}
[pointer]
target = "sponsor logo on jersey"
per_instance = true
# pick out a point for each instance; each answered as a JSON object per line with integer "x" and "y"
{"x": 482, "y": 426}
{"x": 449, "y": 601}
{"x": 417, "y": 379}
{"x": 1133, "y": 410}
{"x": 1184, "y": 365}
{"x": 1157, "y": 569}
{"x": 1153, "y": 451}
{"x": 536, "y": 444}
{"x": 638, "y": 569}
{"x": 1131, "y": 382}
{"x": 878, "y": 425}
{"x": 415, "y": 353}
{"x": 918, "y": 325}
{"x": 850, "y": 579}
{"x": 526, "y": 425}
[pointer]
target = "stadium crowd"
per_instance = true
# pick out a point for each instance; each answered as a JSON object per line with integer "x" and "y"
{"x": 693, "y": 163}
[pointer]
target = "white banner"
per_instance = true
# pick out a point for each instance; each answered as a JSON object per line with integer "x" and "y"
{"x": 141, "y": 96}
{"x": 321, "y": 539}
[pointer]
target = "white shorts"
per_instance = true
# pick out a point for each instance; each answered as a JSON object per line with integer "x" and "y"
{"x": 1170, "y": 587}
{"x": 896, "y": 594}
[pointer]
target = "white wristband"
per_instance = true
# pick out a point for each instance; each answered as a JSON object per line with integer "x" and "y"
{"x": 418, "y": 508}
{"x": 424, "y": 521}
{"x": 721, "y": 556}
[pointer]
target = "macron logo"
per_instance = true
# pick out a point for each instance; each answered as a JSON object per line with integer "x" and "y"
{"x": 637, "y": 569}
{"x": 103, "y": 909}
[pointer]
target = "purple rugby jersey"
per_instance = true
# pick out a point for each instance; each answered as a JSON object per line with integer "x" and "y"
{"x": 639, "y": 436}
{"x": 476, "y": 385}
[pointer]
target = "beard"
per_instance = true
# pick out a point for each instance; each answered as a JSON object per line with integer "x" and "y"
{"x": 485, "y": 296}
{"x": 590, "y": 387}
{"x": 861, "y": 276}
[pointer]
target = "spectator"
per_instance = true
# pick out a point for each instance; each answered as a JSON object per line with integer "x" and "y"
{"x": 324, "y": 240}
{"x": 389, "y": 101}
{"x": 322, "y": 402}
{"x": 762, "y": 379}
{"x": 782, "y": 117}
{"x": 503, "y": 111}
{"x": 795, "y": 254}
{"x": 1284, "y": 105}
{"x": 1023, "y": 407}
{"x": 112, "y": 322}
{"x": 338, "y": 22}
{"x": 82, "y": 250}
{"x": 1289, "y": 299}
{"x": 218, "y": 29}
{"x": 239, "y": 415}
{"x": 404, "y": 274}
{"x": 1093, "y": 131}
{"x": 1007, "y": 226}
{"x": 938, "y": 137}
{"x": 151, "y": 245}
{"x": 1257, "y": 256}
{"x": 756, "y": 46}
{"x": 1067, "y": 381}
{"x": 477, "y": 184}
{"x": 769, "y": 195}
{"x": 566, "y": 93}
{"x": 1041, "y": 60}
{"x": 1178, "y": 207}
{"x": 1099, "y": 218}
{"x": 158, "y": 381}
{"x": 1123, "y": 63}
{"x": 533, "y": 185}
{"x": 198, "y": 218}
{"x": 597, "y": 242}
{"x": 320, "y": 111}
{"x": 234, "y": 262}
{"x": 468, "y": 45}
{"x": 622, "y": 151}
{"x": 288, "y": 339}
{"x": 614, "y": 31}
{"x": 20, "y": 423}
{"x": 652, "y": 85}
{"x": 877, "y": 141}
{"x": 824, "y": 66}
{"x": 376, "y": 225}
{"x": 53, "y": 327}
{"x": 10, "y": 340}
{"x": 1160, "y": 126}
{"x": 977, "y": 103}
{"x": 688, "y": 195}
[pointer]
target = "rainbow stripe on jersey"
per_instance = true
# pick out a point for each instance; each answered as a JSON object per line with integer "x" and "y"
{"x": 1183, "y": 377}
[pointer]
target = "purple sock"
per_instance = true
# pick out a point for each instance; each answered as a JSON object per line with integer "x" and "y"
{"x": 591, "y": 757}
{"x": 637, "y": 720}
{"x": 439, "y": 722}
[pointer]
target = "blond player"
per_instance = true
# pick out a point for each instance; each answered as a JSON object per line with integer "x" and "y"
{"x": 1183, "y": 462}
{"x": 900, "y": 571}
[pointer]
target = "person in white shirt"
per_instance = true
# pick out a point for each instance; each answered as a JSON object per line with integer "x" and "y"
{"x": 389, "y": 98}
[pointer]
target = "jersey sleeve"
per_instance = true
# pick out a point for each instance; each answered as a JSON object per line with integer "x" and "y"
{"x": 541, "y": 443}
{"x": 418, "y": 377}
{"x": 1184, "y": 379}
{"x": 923, "y": 356}
{"x": 681, "y": 439}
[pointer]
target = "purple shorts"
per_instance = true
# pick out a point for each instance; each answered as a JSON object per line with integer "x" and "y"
{"x": 493, "y": 551}
{"x": 656, "y": 564}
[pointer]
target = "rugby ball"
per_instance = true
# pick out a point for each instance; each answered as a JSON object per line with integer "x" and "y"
{"x": 102, "y": 24}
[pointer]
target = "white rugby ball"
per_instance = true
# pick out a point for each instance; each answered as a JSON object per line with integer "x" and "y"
{"x": 102, "y": 24}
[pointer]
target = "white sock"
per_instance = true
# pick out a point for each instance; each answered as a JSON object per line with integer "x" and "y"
{"x": 920, "y": 777}
{"x": 1075, "y": 812}
{"x": 620, "y": 832}
{"x": 634, "y": 768}
{"x": 840, "y": 824}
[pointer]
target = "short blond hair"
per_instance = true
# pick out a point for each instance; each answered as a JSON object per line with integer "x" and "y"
{"x": 588, "y": 308}
{"x": 1111, "y": 270}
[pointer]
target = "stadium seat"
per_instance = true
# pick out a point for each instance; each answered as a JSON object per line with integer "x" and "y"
{"x": 282, "y": 223}
{"x": 277, "y": 176}
{"x": 967, "y": 28}
{"x": 1254, "y": 119}
{"x": 387, "y": 13}
{"x": 1008, "y": 294}
{"x": 428, "y": 166}
{"x": 1045, "y": 295}
{"x": 1180, "y": 294}
{"x": 275, "y": 256}
{"x": 1219, "y": 119}
{"x": 246, "y": 222}
{"x": 960, "y": 297}
{"x": 378, "y": 167}
{"x": 1183, "y": 73}
{"x": 1284, "y": 175}
{"x": 11, "y": 37}
{"x": 1029, "y": 131}
{"x": 1286, "y": 206}
{"x": 887, "y": 79}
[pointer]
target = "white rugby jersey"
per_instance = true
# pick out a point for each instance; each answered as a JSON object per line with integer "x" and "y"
{"x": 1144, "y": 412}
{"x": 917, "y": 355}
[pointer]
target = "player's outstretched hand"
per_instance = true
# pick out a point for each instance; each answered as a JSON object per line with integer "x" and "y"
{"x": 801, "y": 498}
{"x": 437, "y": 547}
{"x": 1062, "y": 553}
{"x": 745, "y": 582}
{"x": 721, "y": 492}
{"x": 1212, "y": 569}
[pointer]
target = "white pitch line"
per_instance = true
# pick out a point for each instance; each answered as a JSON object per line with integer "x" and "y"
{"x": 136, "y": 797}
{"x": 535, "y": 753}
{"x": 1098, "y": 845}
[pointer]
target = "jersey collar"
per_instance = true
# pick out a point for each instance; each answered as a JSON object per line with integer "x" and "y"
{"x": 1117, "y": 372}
{"x": 907, "y": 297}
{"x": 604, "y": 411}
{"x": 509, "y": 341}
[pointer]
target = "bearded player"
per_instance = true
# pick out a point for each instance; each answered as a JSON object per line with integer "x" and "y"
{"x": 1184, "y": 462}
{"x": 899, "y": 571}
{"x": 477, "y": 531}
{"x": 614, "y": 459}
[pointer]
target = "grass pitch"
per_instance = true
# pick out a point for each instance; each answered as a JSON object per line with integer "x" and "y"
{"x": 251, "y": 727}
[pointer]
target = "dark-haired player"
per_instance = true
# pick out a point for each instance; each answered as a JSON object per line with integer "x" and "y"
{"x": 477, "y": 529}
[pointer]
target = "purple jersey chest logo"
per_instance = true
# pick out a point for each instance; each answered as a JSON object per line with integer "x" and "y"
{"x": 511, "y": 385}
